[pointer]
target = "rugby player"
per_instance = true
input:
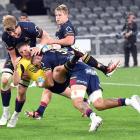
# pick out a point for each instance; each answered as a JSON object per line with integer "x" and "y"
{"x": 14, "y": 33}
{"x": 83, "y": 79}
{"x": 65, "y": 37}
{"x": 27, "y": 70}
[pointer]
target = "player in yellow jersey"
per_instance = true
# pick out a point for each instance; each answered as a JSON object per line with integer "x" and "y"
{"x": 28, "y": 71}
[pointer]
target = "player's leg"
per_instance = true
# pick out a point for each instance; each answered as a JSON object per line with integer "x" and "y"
{"x": 77, "y": 96}
{"x": 19, "y": 102}
{"x": 102, "y": 104}
{"x": 80, "y": 84}
{"x": 91, "y": 61}
{"x": 6, "y": 79}
{"x": 69, "y": 65}
{"x": 45, "y": 100}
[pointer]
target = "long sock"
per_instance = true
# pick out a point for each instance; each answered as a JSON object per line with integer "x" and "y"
{"x": 121, "y": 102}
{"x": 19, "y": 105}
{"x": 88, "y": 112}
{"x": 6, "y": 96}
{"x": 69, "y": 65}
{"x": 89, "y": 60}
{"x": 41, "y": 108}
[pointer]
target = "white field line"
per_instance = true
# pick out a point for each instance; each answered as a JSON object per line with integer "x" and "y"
{"x": 120, "y": 84}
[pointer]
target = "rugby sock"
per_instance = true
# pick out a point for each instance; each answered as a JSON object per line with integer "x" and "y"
{"x": 6, "y": 96}
{"x": 121, "y": 102}
{"x": 89, "y": 60}
{"x": 41, "y": 108}
{"x": 19, "y": 105}
{"x": 69, "y": 65}
{"x": 88, "y": 112}
{"x": 86, "y": 100}
{"x": 128, "y": 101}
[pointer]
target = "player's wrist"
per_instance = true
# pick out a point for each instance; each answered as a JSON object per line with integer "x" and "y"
{"x": 40, "y": 46}
{"x": 46, "y": 48}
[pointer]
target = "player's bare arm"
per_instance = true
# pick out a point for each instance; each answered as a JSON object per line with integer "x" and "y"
{"x": 43, "y": 41}
{"x": 12, "y": 54}
{"x": 16, "y": 76}
{"x": 68, "y": 40}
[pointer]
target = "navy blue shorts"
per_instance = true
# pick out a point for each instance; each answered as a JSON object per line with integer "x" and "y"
{"x": 59, "y": 88}
{"x": 86, "y": 77}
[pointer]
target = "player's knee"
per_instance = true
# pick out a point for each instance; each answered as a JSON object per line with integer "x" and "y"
{"x": 77, "y": 102}
{"x": 21, "y": 97}
{"x": 99, "y": 104}
{"x": 96, "y": 99}
{"x": 6, "y": 80}
{"x": 22, "y": 91}
{"x": 77, "y": 97}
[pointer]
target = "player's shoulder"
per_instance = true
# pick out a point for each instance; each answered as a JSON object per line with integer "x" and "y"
{"x": 68, "y": 24}
{"x": 5, "y": 36}
{"x": 25, "y": 62}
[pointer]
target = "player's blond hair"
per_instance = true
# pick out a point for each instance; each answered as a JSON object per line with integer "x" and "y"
{"x": 9, "y": 21}
{"x": 63, "y": 8}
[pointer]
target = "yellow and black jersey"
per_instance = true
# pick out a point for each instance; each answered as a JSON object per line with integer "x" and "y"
{"x": 33, "y": 72}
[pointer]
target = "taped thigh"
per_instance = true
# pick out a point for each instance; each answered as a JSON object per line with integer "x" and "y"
{"x": 8, "y": 77}
{"x": 95, "y": 95}
{"x": 77, "y": 94}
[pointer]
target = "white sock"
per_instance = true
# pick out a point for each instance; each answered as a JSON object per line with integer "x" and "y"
{"x": 6, "y": 109}
{"x": 128, "y": 101}
{"x": 15, "y": 113}
{"x": 92, "y": 115}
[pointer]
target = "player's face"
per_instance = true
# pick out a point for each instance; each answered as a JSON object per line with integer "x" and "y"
{"x": 23, "y": 18}
{"x": 61, "y": 17}
{"x": 24, "y": 51}
{"x": 15, "y": 32}
{"x": 37, "y": 60}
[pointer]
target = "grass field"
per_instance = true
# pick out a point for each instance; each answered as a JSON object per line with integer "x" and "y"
{"x": 62, "y": 122}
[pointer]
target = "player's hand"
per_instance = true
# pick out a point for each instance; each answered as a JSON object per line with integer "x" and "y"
{"x": 35, "y": 51}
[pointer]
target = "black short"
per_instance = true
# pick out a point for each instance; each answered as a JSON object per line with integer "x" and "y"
{"x": 59, "y": 88}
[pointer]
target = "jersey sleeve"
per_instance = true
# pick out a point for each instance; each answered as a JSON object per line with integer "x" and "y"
{"x": 7, "y": 42}
{"x": 68, "y": 30}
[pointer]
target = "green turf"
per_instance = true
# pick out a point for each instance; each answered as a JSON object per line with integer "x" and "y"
{"x": 62, "y": 122}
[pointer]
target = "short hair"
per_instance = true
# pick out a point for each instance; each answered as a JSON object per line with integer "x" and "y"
{"x": 62, "y": 7}
{"x": 9, "y": 22}
{"x": 24, "y": 14}
{"x": 19, "y": 45}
